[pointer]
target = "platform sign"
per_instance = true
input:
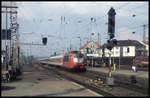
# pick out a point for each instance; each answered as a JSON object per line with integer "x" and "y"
{"x": 92, "y": 55}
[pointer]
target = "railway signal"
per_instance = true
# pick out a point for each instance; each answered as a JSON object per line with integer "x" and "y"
{"x": 44, "y": 40}
{"x": 111, "y": 42}
{"x": 109, "y": 45}
{"x": 111, "y": 22}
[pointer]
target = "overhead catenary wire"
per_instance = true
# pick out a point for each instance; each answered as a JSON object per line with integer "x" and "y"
{"x": 118, "y": 8}
{"x": 87, "y": 25}
{"x": 132, "y": 28}
{"x": 135, "y": 8}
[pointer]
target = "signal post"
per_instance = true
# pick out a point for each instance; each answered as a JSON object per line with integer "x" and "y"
{"x": 111, "y": 42}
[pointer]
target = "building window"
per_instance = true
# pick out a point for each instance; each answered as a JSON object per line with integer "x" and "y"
{"x": 128, "y": 50}
{"x": 117, "y": 52}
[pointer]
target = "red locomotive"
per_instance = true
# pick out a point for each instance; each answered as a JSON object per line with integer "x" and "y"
{"x": 73, "y": 60}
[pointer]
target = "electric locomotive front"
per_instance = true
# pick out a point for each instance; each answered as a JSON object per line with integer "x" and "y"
{"x": 74, "y": 60}
{"x": 78, "y": 61}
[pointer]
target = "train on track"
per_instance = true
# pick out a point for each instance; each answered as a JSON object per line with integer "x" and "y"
{"x": 73, "y": 60}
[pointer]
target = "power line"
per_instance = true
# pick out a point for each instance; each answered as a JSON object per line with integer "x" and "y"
{"x": 120, "y": 7}
{"x": 136, "y": 8}
{"x": 133, "y": 28}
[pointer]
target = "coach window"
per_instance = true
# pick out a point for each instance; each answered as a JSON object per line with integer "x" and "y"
{"x": 67, "y": 58}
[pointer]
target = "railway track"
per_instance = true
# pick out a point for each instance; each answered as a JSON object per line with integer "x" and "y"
{"x": 97, "y": 83}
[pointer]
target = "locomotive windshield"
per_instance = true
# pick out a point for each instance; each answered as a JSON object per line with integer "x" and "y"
{"x": 79, "y": 56}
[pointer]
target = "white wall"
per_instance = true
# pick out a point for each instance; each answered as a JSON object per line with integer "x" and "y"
{"x": 147, "y": 48}
{"x": 131, "y": 51}
{"x": 115, "y": 52}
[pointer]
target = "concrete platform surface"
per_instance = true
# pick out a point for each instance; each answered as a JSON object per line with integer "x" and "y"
{"x": 47, "y": 88}
{"x": 143, "y": 74}
{"x": 142, "y": 77}
{"x": 35, "y": 82}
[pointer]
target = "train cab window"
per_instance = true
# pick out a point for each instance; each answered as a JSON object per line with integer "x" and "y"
{"x": 66, "y": 58}
{"x": 78, "y": 56}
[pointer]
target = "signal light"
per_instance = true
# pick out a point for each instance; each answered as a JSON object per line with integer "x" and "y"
{"x": 44, "y": 40}
{"x": 111, "y": 44}
{"x": 109, "y": 47}
{"x": 111, "y": 22}
{"x": 114, "y": 41}
{"x": 112, "y": 36}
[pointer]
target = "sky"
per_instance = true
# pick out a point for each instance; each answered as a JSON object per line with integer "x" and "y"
{"x": 63, "y": 22}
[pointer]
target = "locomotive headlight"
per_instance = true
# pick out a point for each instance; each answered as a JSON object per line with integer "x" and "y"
{"x": 75, "y": 59}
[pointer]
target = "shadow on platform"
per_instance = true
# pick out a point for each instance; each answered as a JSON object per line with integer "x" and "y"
{"x": 7, "y": 87}
{"x": 63, "y": 93}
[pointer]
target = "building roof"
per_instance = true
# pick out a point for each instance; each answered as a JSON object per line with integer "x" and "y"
{"x": 82, "y": 47}
{"x": 147, "y": 43}
{"x": 128, "y": 43}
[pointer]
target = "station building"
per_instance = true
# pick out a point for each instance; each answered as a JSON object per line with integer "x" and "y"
{"x": 123, "y": 53}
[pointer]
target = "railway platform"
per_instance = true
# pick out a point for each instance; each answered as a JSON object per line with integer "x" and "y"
{"x": 124, "y": 76}
{"x": 38, "y": 82}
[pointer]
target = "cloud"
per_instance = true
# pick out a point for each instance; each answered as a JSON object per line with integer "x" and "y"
{"x": 26, "y": 13}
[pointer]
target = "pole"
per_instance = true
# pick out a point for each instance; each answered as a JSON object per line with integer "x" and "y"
{"x": 119, "y": 62}
{"x": 111, "y": 31}
{"x": 92, "y": 61}
{"x": 27, "y": 59}
{"x": 17, "y": 45}
{"x": 6, "y": 58}
{"x": 98, "y": 37}
{"x": 110, "y": 64}
{"x": 70, "y": 45}
{"x": 80, "y": 42}
{"x": 144, "y": 26}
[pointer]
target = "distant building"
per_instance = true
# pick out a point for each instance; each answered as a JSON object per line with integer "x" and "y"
{"x": 125, "y": 48}
{"x": 90, "y": 47}
{"x": 147, "y": 47}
